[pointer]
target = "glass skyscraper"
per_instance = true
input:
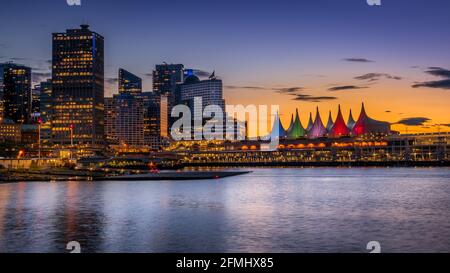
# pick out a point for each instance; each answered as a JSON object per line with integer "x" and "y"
{"x": 16, "y": 92}
{"x": 78, "y": 87}
{"x": 129, "y": 83}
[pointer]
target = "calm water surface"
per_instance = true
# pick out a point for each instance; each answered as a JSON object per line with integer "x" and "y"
{"x": 269, "y": 210}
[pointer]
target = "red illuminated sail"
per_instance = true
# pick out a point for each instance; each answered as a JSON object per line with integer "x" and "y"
{"x": 339, "y": 128}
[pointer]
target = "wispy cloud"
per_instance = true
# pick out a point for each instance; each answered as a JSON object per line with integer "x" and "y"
{"x": 297, "y": 92}
{"x": 247, "y": 87}
{"x": 346, "y": 87}
{"x": 376, "y": 76}
{"x": 437, "y": 72}
{"x": 414, "y": 121}
{"x": 111, "y": 80}
{"x": 40, "y": 76}
{"x": 358, "y": 60}
{"x": 289, "y": 90}
{"x": 310, "y": 98}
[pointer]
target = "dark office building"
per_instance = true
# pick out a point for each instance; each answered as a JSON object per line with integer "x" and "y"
{"x": 46, "y": 110}
{"x": 16, "y": 92}
{"x": 78, "y": 87}
{"x": 166, "y": 77}
{"x": 35, "y": 101}
{"x": 129, "y": 83}
{"x": 155, "y": 119}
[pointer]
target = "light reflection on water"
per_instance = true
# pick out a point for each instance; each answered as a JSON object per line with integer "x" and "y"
{"x": 269, "y": 210}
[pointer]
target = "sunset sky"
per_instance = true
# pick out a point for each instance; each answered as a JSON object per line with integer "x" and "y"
{"x": 394, "y": 57}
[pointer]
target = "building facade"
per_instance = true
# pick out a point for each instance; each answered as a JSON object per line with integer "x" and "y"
{"x": 16, "y": 92}
{"x": 46, "y": 106}
{"x": 129, "y": 83}
{"x": 155, "y": 119}
{"x": 125, "y": 120}
{"x": 78, "y": 87}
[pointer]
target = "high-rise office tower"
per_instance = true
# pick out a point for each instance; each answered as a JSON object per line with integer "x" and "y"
{"x": 166, "y": 77}
{"x": 46, "y": 106}
{"x": 16, "y": 92}
{"x": 129, "y": 119}
{"x": 211, "y": 93}
{"x": 210, "y": 90}
{"x": 78, "y": 87}
{"x": 35, "y": 101}
{"x": 1, "y": 94}
{"x": 155, "y": 119}
{"x": 129, "y": 83}
{"x": 110, "y": 121}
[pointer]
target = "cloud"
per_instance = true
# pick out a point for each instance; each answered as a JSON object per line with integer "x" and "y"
{"x": 376, "y": 76}
{"x": 444, "y": 84}
{"x": 295, "y": 91}
{"x": 437, "y": 72}
{"x": 111, "y": 80}
{"x": 358, "y": 60}
{"x": 281, "y": 90}
{"x": 290, "y": 90}
{"x": 19, "y": 59}
{"x": 445, "y": 124}
{"x": 415, "y": 121}
{"x": 40, "y": 76}
{"x": 388, "y": 111}
{"x": 310, "y": 98}
{"x": 246, "y": 87}
{"x": 346, "y": 87}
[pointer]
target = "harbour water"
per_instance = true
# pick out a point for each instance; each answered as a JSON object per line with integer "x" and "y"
{"x": 268, "y": 210}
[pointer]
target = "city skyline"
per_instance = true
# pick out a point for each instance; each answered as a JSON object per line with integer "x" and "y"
{"x": 286, "y": 52}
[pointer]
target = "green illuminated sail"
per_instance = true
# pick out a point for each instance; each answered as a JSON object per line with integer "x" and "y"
{"x": 297, "y": 130}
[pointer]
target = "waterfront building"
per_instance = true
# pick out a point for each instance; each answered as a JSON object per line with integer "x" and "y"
{"x": 166, "y": 78}
{"x": 317, "y": 130}
{"x": 36, "y": 100}
{"x": 129, "y": 119}
{"x": 129, "y": 83}
{"x": 155, "y": 119}
{"x": 2, "y": 103}
{"x": 366, "y": 125}
{"x": 378, "y": 150}
{"x": 29, "y": 134}
{"x": 16, "y": 92}
{"x": 210, "y": 90}
{"x": 110, "y": 122}
{"x": 339, "y": 127}
{"x": 45, "y": 108}
{"x": 10, "y": 131}
{"x": 78, "y": 88}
